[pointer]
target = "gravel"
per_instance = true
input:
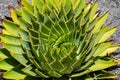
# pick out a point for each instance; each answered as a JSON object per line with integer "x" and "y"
{"x": 104, "y": 5}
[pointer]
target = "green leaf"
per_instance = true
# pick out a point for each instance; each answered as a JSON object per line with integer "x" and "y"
{"x": 14, "y": 14}
{"x": 35, "y": 25}
{"x": 57, "y": 65}
{"x": 13, "y": 48}
{"x": 40, "y": 16}
{"x": 14, "y": 73}
{"x": 23, "y": 24}
{"x": 107, "y": 34}
{"x": 33, "y": 33}
{"x": 54, "y": 4}
{"x": 109, "y": 50}
{"x": 80, "y": 73}
{"x": 32, "y": 78}
{"x": 87, "y": 8}
{"x": 54, "y": 74}
{"x": 79, "y": 7}
{"x": 66, "y": 70}
{"x": 93, "y": 11}
{"x": 44, "y": 30}
{"x": 29, "y": 70}
{"x": 11, "y": 28}
{"x": 21, "y": 58}
{"x": 27, "y": 5}
{"x": 67, "y": 61}
{"x": 101, "y": 48}
{"x": 101, "y": 64}
{"x": 46, "y": 66}
{"x": 4, "y": 54}
{"x": 89, "y": 79}
{"x": 100, "y": 22}
{"x": 10, "y": 39}
{"x": 63, "y": 25}
{"x": 8, "y": 64}
{"x": 71, "y": 24}
{"x": 86, "y": 77}
{"x": 63, "y": 3}
{"x": 92, "y": 24}
{"x": 24, "y": 35}
{"x": 86, "y": 65}
{"x": 100, "y": 34}
{"x": 39, "y": 4}
{"x": 41, "y": 74}
{"x": 42, "y": 58}
{"x": 27, "y": 15}
{"x": 67, "y": 5}
{"x": 104, "y": 75}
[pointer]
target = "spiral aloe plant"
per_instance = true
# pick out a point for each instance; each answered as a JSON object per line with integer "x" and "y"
{"x": 56, "y": 40}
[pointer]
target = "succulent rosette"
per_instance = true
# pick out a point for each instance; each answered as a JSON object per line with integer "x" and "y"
{"x": 56, "y": 40}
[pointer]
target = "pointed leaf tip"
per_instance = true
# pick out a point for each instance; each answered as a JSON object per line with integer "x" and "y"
{"x": 100, "y": 23}
{"x": 8, "y": 18}
{"x": 19, "y": 3}
{"x": 1, "y": 20}
{"x": 10, "y": 7}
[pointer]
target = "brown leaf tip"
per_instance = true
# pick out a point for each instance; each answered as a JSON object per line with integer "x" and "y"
{"x": 8, "y": 18}
{"x": 10, "y": 7}
{"x": 98, "y": 13}
{"x": 19, "y": 3}
{"x": 1, "y": 20}
{"x": 1, "y": 27}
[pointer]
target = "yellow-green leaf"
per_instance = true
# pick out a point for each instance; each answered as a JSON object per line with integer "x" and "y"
{"x": 107, "y": 34}
{"x": 13, "y": 15}
{"x": 10, "y": 39}
{"x": 79, "y": 7}
{"x": 93, "y": 11}
{"x": 21, "y": 58}
{"x": 105, "y": 75}
{"x": 27, "y": 5}
{"x": 102, "y": 64}
{"x": 27, "y": 15}
{"x": 100, "y": 22}
{"x": 4, "y": 54}
{"x": 11, "y": 27}
{"x": 54, "y": 74}
{"x": 29, "y": 70}
{"x": 87, "y": 8}
{"x": 102, "y": 47}
{"x": 8, "y": 64}
{"x": 109, "y": 50}
{"x": 13, "y": 48}
{"x": 67, "y": 5}
{"x": 41, "y": 74}
{"x": 15, "y": 74}
{"x": 38, "y": 3}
